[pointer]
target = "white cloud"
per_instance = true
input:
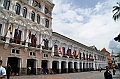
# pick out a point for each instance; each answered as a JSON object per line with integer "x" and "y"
{"x": 89, "y": 26}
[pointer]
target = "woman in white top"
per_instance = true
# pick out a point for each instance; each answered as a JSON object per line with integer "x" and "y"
{"x": 2, "y": 71}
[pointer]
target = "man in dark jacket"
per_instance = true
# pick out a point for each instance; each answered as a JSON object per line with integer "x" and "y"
{"x": 107, "y": 73}
{"x": 8, "y": 70}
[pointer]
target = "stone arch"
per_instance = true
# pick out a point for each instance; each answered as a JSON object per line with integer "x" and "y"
{"x": 18, "y": 2}
{"x": 3, "y": 14}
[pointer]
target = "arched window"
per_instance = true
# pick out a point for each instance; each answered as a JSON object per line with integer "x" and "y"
{"x": 38, "y": 18}
{"x": 63, "y": 49}
{"x": 33, "y": 16}
{"x": 6, "y": 4}
{"x": 55, "y": 48}
{"x": 24, "y": 12}
{"x": 35, "y": 3}
{"x": 17, "y": 8}
{"x": 47, "y": 23}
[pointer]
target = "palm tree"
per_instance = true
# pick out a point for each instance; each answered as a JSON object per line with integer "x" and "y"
{"x": 116, "y": 9}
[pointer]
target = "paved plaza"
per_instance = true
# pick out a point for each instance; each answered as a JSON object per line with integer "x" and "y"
{"x": 81, "y": 75}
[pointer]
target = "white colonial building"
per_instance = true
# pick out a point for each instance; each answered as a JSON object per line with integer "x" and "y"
{"x": 26, "y": 38}
{"x": 71, "y": 56}
{"x": 23, "y": 26}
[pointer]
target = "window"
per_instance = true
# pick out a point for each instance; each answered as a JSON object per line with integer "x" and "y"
{"x": 45, "y": 55}
{"x": 33, "y": 16}
{"x": 46, "y": 10}
{"x": 24, "y": 12}
{"x": 84, "y": 56}
{"x": 63, "y": 49}
{"x": 35, "y": 3}
{"x": 15, "y": 51}
{"x": 17, "y": 8}
{"x": 30, "y": 53}
{"x": 33, "y": 54}
{"x": 6, "y": 4}
{"x": 55, "y": 48}
{"x": 38, "y": 18}
{"x": 47, "y": 23}
{"x": 39, "y": 5}
{"x": 80, "y": 55}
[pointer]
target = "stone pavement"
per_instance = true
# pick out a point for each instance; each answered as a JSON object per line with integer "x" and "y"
{"x": 81, "y": 75}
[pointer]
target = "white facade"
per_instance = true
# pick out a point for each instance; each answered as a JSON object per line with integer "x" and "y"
{"x": 86, "y": 58}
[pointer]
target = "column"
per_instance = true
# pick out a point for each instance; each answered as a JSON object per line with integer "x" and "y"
{"x": 3, "y": 28}
{"x": 13, "y": 31}
{"x": 11, "y": 5}
{"x": 81, "y": 55}
{"x": 20, "y": 66}
{"x": 78, "y": 66}
{"x": 30, "y": 2}
{"x": 67, "y": 66}
{"x": 59, "y": 66}
{"x": 27, "y": 40}
{"x": 21, "y": 11}
{"x": 50, "y": 67}
{"x": 22, "y": 35}
{"x": 8, "y": 34}
{"x": 72, "y": 67}
{"x": 85, "y": 66}
{"x": 94, "y": 65}
{"x": 1, "y": 3}
{"x": 82, "y": 66}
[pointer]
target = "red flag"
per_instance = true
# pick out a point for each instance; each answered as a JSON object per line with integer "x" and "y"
{"x": 35, "y": 38}
{"x": 59, "y": 50}
{"x": 95, "y": 56}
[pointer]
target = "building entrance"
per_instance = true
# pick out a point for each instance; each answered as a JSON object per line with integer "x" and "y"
{"x": 44, "y": 66}
{"x": 32, "y": 63}
{"x": 63, "y": 67}
{"x": 15, "y": 65}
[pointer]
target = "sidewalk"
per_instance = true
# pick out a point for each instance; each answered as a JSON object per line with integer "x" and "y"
{"x": 117, "y": 75}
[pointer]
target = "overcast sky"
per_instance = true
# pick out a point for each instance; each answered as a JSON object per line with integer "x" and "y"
{"x": 89, "y": 22}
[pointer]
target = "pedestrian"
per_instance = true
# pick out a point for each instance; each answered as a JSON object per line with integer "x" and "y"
{"x": 107, "y": 73}
{"x": 2, "y": 71}
{"x": 29, "y": 70}
{"x": 8, "y": 71}
{"x": 114, "y": 70}
{"x": 100, "y": 69}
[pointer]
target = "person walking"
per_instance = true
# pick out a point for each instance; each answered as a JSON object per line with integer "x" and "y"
{"x": 100, "y": 69}
{"x": 114, "y": 70}
{"x": 2, "y": 71}
{"x": 29, "y": 70}
{"x": 8, "y": 71}
{"x": 107, "y": 73}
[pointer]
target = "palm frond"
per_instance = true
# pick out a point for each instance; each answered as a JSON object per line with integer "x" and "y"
{"x": 115, "y": 8}
{"x": 117, "y": 11}
{"x": 118, "y": 3}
